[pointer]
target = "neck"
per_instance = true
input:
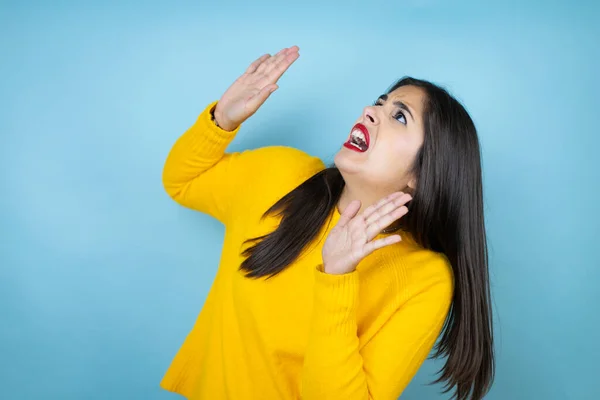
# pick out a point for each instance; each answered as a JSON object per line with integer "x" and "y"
{"x": 349, "y": 194}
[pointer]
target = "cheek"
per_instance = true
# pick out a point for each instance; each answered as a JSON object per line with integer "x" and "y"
{"x": 397, "y": 155}
{"x": 390, "y": 162}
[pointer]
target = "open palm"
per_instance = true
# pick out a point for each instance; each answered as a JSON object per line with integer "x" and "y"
{"x": 351, "y": 239}
{"x": 243, "y": 98}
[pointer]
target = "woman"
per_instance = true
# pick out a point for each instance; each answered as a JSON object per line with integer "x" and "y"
{"x": 335, "y": 283}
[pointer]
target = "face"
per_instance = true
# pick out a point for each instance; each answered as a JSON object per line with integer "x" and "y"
{"x": 384, "y": 142}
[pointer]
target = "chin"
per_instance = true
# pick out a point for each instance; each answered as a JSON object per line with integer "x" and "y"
{"x": 346, "y": 161}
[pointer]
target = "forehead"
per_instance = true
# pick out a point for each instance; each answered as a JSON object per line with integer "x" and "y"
{"x": 412, "y": 96}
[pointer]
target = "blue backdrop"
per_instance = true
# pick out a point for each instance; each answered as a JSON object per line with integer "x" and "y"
{"x": 102, "y": 275}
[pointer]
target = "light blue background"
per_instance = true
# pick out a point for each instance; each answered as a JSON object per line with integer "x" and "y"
{"x": 102, "y": 275}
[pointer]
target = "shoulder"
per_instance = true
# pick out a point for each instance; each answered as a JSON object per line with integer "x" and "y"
{"x": 280, "y": 167}
{"x": 274, "y": 171}
{"x": 283, "y": 161}
{"x": 429, "y": 270}
{"x": 423, "y": 272}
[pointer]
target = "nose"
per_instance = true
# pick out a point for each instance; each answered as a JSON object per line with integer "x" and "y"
{"x": 370, "y": 115}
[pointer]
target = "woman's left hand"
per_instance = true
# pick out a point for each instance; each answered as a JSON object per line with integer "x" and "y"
{"x": 351, "y": 239}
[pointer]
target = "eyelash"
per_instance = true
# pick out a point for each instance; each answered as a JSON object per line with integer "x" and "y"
{"x": 396, "y": 116}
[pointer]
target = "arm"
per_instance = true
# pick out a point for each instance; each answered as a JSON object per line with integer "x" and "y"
{"x": 198, "y": 174}
{"x": 337, "y": 368}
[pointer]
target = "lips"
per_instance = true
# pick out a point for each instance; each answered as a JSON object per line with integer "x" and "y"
{"x": 359, "y": 139}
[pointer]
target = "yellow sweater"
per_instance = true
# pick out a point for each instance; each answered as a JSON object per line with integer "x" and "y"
{"x": 303, "y": 334}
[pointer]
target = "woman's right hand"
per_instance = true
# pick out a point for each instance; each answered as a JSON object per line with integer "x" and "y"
{"x": 243, "y": 98}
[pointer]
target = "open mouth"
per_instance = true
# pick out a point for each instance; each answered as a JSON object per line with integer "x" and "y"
{"x": 359, "y": 139}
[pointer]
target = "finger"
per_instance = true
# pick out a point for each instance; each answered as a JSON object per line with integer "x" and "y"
{"x": 283, "y": 61}
{"x": 256, "y": 63}
{"x": 257, "y": 100}
{"x": 279, "y": 69}
{"x": 387, "y": 205}
{"x": 349, "y": 213}
{"x": 372, "y": 211}
{"x": 375, "y": 228}
{"x": 379, "y": 243}
{"x": 270, "y": 61}
{"x": 281, "y": 57}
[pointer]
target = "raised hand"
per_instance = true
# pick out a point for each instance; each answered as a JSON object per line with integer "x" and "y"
{"x": 243, "y": 98}
{"x": 351, "y": 239}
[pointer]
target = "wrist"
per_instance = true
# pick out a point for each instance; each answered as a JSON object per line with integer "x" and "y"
{"x": 334, "y": 271}
{"x": 218, "y": 120}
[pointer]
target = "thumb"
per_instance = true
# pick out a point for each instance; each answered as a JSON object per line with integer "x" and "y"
{"x": 256, "y": 101}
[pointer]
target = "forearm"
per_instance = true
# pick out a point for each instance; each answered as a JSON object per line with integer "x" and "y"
{"x": 194, "y": 152}
{"x": 333, "y": 366}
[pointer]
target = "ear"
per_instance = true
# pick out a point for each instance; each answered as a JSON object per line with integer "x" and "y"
{"x": 412, "y": 184}
{"x": 409, "y": 188}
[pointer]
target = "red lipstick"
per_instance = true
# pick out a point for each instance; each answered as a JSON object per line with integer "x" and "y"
{"x": 359, "y": 139}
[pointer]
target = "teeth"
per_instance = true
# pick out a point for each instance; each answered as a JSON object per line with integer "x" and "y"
{"x": 358, "y": 140}
{"x": 357, "y": 133}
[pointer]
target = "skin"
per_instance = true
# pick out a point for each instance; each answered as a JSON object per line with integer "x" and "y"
{"x": 371, "y": 199}
{"x": 396, "y": 137}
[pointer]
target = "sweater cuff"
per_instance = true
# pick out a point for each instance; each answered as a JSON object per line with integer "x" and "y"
{"x": 207, "y": 137}
{"x": 336, "y": 299}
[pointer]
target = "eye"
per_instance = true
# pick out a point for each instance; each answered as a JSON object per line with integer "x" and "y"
{"x": 400, "y": 117}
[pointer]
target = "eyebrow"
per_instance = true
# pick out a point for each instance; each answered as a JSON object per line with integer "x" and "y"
{"x": 399, "y": 104}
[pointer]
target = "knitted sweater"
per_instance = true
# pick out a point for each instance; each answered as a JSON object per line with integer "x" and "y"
{"x": 303, "y": 334}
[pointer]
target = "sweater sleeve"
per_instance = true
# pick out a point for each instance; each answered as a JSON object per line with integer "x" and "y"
{"x": 199, "y": 174}
{"x": 336, "y": 367}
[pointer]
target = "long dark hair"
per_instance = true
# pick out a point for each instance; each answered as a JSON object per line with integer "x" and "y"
{"x": 446, "y": 215}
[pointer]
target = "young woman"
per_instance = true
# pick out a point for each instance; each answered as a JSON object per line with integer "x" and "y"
{"x": 335, "y": 282}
